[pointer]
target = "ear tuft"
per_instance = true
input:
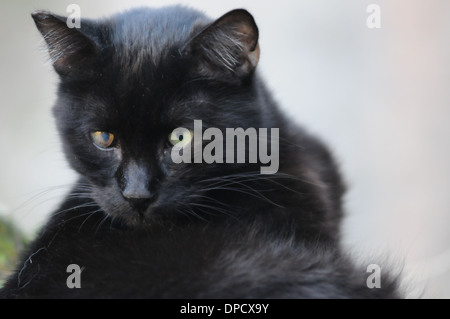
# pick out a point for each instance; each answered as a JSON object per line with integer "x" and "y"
{"x": 70, "y": 50}
{"x": 229, "y": 46}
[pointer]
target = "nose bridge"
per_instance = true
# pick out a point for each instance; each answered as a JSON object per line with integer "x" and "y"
{"x": 135, "y": 180}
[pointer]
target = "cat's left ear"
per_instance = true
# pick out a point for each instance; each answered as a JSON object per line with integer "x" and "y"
{"x": 228, "y": 47}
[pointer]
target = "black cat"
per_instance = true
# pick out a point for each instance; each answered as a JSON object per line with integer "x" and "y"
{"x": 140, "y": 225}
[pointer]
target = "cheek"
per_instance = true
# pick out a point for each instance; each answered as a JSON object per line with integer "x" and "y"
{"x": 96, "y": 165}
{"x": 110, "y": 200}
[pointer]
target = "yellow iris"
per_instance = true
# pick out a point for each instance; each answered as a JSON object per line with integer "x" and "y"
{"x": 180, "y": 137}
{"x": 102, "y": 140}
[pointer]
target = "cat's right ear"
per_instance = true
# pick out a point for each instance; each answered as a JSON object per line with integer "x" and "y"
{"x": 70, "y": 50}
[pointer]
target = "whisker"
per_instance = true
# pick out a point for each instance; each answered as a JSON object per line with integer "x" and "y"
{"x": 220, "y": 210}
{"x": 75, "y": 217}
{"x": 84, "y": 205}
{"x": 256, "y": 194}
{"x": 104, "y": 219}
{"x": 190, "y": 212}
{"x": 90, "y": 214}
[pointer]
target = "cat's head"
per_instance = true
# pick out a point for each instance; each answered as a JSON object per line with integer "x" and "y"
{"x": 128, "y": 81}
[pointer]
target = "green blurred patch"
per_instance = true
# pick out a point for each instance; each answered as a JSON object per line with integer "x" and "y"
{"x": 12, "y": 242}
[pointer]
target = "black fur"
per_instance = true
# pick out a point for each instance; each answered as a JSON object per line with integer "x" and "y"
{"x": 202, "y": 230}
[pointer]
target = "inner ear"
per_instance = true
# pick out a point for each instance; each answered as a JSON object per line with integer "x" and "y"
{"x": 242, "y": 27}
{"x": 229, "y": 46}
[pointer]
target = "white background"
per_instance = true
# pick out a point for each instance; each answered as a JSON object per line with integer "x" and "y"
{"x": 380, "y": 99}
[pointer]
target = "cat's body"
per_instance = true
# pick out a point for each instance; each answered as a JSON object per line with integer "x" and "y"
{"x": 140, "y": 225}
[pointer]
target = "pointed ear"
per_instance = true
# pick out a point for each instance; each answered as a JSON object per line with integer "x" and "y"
{"x": 70, "y": 50}
{"x": 228, "y": 47}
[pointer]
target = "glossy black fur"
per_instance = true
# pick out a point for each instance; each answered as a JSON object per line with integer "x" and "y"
{"x": 203, "y": 230}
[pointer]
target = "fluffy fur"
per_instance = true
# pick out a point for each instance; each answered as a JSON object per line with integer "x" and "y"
{"x": 140, "y": 225}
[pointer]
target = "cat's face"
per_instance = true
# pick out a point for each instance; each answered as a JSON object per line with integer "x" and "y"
{"x": 128, "y": 82}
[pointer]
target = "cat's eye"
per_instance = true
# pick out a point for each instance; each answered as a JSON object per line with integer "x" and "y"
{"x": 103, "y": 140}
{"x": 180, "y": 137}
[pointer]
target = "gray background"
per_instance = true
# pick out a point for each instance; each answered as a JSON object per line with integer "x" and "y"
{"x": 378, "y": 97}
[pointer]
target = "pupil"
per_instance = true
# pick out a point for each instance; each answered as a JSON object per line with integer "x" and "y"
{"x": 180, "y": 137}
{"x": 105, "y": 136}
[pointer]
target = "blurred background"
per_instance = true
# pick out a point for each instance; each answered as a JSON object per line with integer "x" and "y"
{"x": 379, "y": 98}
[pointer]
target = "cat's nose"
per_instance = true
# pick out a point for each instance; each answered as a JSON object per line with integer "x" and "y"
{"x": 139, "y": 203}
{"x": 134, "y": 180}
{"x": 139, "y": 198}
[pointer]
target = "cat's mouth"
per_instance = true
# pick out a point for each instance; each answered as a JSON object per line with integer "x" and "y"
{"x": 132, "y": 210}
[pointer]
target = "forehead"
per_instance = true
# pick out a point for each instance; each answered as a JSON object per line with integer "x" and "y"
{"x": 149, "y": 99}
{"x": 144, "y": 80}
{"x": 145, "y": 36}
